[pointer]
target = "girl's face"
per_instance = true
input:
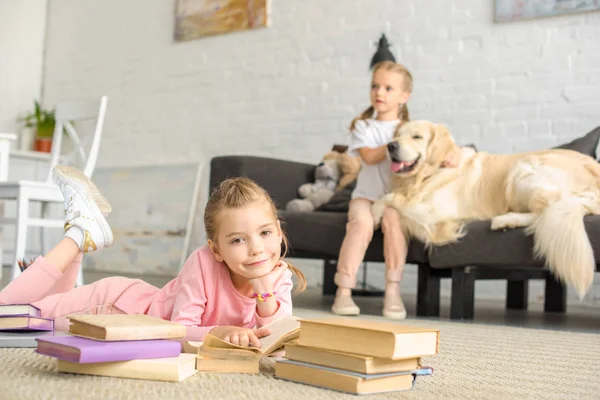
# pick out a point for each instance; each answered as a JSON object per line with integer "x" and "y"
{"x": 387, "y": 93}
{"x": 248, "y": 240}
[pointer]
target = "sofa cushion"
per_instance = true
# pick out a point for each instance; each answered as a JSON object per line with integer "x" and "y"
{"x": 586, "y": 144}
{"x": 340, "y": 200}
{"x": 321, "y": 233}
{"x": 483, "y": 247}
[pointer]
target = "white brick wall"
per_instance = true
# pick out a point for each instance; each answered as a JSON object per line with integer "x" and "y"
{"x": 290, "y": 90}
{"x": 22, "y": 32}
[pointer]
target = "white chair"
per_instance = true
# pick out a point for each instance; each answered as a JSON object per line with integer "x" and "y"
{"x": 47, "y": 192}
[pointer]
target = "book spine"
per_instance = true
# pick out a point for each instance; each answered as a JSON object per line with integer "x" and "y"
{"x": 34, "y": 311}
{"x": 42, "y": 324}
{"x": 59, "y": 354}
{"x": 133, "y": 351}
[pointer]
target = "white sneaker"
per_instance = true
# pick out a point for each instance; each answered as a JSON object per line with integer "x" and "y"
{"x": 393, "y": 307}
{"x": 344, "y": 305}
{"x": 85, "y": 208}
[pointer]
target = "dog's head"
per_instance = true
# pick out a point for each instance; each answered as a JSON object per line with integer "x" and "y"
{"x": 417, "y": 144}
{"x": 328, "y": 169}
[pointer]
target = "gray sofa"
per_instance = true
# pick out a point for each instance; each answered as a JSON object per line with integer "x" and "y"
{"x": 481, "y": 254}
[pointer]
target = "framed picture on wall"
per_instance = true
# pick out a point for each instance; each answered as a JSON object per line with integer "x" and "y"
{"x": 514, "y": 10}
{"x": 199, "y": 18}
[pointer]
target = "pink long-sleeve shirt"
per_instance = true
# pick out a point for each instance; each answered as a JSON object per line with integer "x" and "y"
{"x": 202, "y": 297}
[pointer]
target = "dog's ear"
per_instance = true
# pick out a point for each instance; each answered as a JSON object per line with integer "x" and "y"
{"x": 440, "y": 145}
{"x": 397, "y": 132}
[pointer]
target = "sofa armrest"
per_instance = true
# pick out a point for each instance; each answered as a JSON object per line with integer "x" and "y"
{"x": 280, "y": 178}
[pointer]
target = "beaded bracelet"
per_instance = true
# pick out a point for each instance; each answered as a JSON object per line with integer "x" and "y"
{"x": 263, "y": 296}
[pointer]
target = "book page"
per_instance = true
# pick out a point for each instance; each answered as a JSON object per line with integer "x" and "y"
{"x": 282, "y": 330}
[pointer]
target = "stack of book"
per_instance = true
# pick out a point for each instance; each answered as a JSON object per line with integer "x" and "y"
{"x": 21, "y": 324}
{"x": 23, "y": 317}
{"x": 125, "y": 346}
{"x": 217, "y": 355}
{"x": 357, "y": 356}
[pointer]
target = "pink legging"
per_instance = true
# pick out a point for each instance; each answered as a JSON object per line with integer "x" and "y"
{"x": 53, "y": 292}
{"x": 359, "y": 232}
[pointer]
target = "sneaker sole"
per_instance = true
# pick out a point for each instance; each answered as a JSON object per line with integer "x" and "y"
{"x": 346, "y": 311}
{"x": 72, "y": 176}
{"x": 395, "y": 314}
{"x": 65, "y": 173}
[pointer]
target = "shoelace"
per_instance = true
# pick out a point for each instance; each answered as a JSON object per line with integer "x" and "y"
{"x": 70, "y": 214}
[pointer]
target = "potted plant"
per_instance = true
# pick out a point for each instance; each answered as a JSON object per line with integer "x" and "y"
{"x": 43, "y": 121}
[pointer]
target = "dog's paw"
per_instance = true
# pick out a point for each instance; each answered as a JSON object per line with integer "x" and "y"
{"x": 500, "y": 222}
{"x": 512, "y": 220}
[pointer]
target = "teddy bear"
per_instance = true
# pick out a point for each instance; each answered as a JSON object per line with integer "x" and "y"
{"x": 334, "y": 172}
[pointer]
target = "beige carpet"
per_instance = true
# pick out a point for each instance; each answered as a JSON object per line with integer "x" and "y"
{"x": 475, "y": 362}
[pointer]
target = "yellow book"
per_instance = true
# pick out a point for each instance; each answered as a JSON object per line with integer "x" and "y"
{"x": 283, "y": 330}
{"x": 174, "y": 369}
{"x": 343, "y": 382}
{"x": 111, "y": 327}
{"x": 248, "y": 366}
{"x": 349, "y": 361}
{"x": 370, "y": 338}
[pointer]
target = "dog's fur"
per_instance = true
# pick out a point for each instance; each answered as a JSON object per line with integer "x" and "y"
{"x": 548, "y": 192}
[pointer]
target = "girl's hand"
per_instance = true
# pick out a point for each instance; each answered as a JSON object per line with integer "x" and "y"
{"x": 266, "y": 283}
{"x": 240, "y": 336}
{"x": 453, "y": 158}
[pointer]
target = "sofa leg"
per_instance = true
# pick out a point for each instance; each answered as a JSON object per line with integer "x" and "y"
{"x": 428, "y": 292}
{"x": 517, "y": 294}
{"x": 555, "y": 295}
{"x": 462, "y": 304}
{"x": 329, "y": 268}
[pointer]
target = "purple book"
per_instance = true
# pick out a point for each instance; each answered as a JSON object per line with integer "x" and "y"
{"x": 84, "y": 351}
{"x": 25, "y": 323}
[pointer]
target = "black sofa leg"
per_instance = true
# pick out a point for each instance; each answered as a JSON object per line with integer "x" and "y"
{"x": 428, "y": 292}
{"x": 555, "y": 295}
{"x": 329, "y": 268}
{"x": 462, "y": 304}
{"x": 517, "y": 294}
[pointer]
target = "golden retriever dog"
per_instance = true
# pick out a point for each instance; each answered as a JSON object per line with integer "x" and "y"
{"x": 548, "y": 192}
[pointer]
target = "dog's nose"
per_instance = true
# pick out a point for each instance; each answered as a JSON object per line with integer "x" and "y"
{"x": 321, "y": 164}
{"x": 392, "y": 146}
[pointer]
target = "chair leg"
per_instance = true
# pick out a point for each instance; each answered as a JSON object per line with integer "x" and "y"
{"x": 2, "y": 203}
{"x": 462, "y": 303}
{"x": 20, "y": 234}
{"x": 517, "y": 294}
{"x": 555, "y": 295}
{"x": 44, "y": 213}
{"x": 428, "y": 293}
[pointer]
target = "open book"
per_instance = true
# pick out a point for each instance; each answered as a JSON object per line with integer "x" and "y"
{"x": 283, "y": 330}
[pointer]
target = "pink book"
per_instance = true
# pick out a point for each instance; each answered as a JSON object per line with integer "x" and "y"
{"x": 25, "y": 323}
{"x": 84, "y": 351}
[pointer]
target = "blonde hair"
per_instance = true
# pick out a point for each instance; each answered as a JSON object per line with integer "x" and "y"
{"x": 408, "y": 86}
{"x": 236, "y": 193}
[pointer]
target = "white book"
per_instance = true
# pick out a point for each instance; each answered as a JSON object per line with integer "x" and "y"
{"x": 10, "y": 310}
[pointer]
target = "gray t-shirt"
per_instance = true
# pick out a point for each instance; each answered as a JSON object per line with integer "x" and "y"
{"x": 372, "y": 182}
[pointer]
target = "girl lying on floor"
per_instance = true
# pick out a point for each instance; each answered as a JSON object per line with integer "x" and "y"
{"x": 231, "y": 287}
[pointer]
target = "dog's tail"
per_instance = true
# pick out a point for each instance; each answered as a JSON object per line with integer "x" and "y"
{"x": 560, "y": 237}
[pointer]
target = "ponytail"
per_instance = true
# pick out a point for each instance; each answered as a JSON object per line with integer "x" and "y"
{"x": 403, "y": 113}
{"x": 368, "y": 113}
